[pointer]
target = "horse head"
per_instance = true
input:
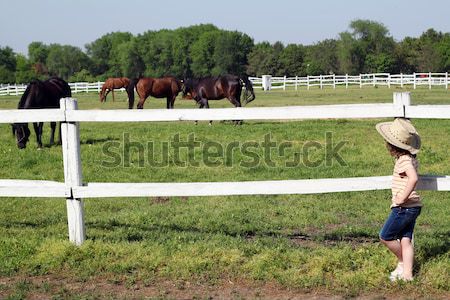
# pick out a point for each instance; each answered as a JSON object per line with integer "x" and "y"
{"x": 102, "y": 96}
{"x": 22, "y": 133}
{"x": 187, "y": 89}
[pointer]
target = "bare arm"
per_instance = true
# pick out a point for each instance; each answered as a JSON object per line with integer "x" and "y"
{"x": 410, "y": 185}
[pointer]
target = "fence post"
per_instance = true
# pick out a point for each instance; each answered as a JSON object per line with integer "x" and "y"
{"x": 334, "y": 81}
{"x": 389, "y": 80}
{"x": 360, "y": 81}
{"x": 429, "y": 80}
{"x": 346, "y": 81}
{"x": 414, "y": 74}
{"x": 296, "y": 82}
{"x": 321, "y": 83}
{"x": 401, "y": 80}
{"x": 284, "y": 83}
{"x": 307, "y": 81}
{"x": 72, "y": 173}
{"x": 446, "y": 80}
{"x": 402, "y": 99}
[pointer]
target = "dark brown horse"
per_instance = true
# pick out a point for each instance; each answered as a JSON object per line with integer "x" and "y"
{"x": 111, "y": 84}
{"x": 40, "y": 94}
{"x": 164, "y": 87}
{"x": 216, "y": 88}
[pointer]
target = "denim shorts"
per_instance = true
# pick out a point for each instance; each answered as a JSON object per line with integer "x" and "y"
{"x": 400, "y": 223}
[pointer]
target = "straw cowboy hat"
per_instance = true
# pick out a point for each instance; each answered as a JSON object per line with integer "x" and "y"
{"x": 400, "y": 133}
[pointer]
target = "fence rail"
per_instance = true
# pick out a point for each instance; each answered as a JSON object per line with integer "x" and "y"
{"x": 376, "y": 79}
{"x": 74, "y": 190}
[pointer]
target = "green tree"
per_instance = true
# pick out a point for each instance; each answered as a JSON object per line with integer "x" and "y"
{"x": 8, "y": 64}
{"x": 291, "y": 59}
{"x": 366, "y": 48}
{"x": 64, "y": 61}
{"x": 264, "y": 59}
{"x": 322, "y": 58}
{"x": 104, "y": 54}
{"x": 130, "y": 61}
{"x": 24, "y": 69}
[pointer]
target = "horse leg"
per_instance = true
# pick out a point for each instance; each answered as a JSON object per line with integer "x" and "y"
{"x": 112, "y": 91}
{"x": 141, "y": 102}
{"x": 205, "y": 104}
{"x": 38, "y": 131}
{"x": 52, "y": 134}
{"x": 236, "y": 103}
{"x": 106, "y": 93}
{"x": 172, "y": 101}
{"x": 60, "y": 137}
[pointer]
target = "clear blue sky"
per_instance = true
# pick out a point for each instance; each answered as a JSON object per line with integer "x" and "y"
{"x": 78, "y": 22}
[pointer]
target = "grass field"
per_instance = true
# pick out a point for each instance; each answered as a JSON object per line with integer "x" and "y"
{"x": 229, "y": 247}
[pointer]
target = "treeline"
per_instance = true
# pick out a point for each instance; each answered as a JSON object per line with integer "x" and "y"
{"x": 202, "y": 50}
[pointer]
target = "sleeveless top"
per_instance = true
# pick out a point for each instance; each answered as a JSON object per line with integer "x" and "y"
{"x": 399, "y": 180}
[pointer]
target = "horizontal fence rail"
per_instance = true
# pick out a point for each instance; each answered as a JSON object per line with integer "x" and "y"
{"x": 74, "y": 189}
{"x": 376, "y": 79}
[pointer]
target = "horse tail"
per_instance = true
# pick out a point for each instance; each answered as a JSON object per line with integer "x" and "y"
{"x": 249, "y": 94}
{"x": 130, "y": 91}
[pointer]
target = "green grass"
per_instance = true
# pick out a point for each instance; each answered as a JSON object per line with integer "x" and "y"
{"x": 326, "y": 243}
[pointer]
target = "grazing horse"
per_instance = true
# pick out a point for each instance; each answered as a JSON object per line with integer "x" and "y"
{"x": 40, "y": 94}
{"x": 216, "y": 88}
{"x": 165, "y": 87}
{"x": 111, "y": 84}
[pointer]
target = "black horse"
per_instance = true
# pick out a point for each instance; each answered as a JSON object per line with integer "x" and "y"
{"x": 40, "y": 94}
{"x": 216, "y": 88}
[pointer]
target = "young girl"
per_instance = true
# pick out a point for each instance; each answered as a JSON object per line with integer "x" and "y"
{"x": 403, "y": 143}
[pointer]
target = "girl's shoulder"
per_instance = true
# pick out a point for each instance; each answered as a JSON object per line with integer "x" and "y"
{"x": 404, "y": 161}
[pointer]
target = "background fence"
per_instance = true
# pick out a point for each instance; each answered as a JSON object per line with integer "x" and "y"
{"x": 378, "y": 79}
{"x": 73, "y": 188}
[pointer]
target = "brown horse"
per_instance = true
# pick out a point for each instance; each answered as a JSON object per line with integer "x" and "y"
{"x": 164, "y": 87}
{"x": 111, "y": 84}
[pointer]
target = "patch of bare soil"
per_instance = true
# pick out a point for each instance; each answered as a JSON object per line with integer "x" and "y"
{"x": 46, "y": 287}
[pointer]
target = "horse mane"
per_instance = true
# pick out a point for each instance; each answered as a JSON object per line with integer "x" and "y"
{"x": 24, "y": 97}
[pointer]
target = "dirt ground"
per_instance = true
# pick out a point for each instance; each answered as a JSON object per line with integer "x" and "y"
{"x": 46, "y": 287}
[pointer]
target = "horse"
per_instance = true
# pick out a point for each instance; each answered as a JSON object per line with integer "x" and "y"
{"x": 114, "y": 83}
{"x": 217, "y": 88}
{"x": 165, "y": 87}
{"x": 40, "y": 94}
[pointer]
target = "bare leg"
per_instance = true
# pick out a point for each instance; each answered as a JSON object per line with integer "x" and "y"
{"x": 408, "y": 258}
{"x": 395, "y": 247}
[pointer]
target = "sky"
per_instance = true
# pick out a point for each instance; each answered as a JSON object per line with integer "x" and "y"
{"x": 79, "y": 22}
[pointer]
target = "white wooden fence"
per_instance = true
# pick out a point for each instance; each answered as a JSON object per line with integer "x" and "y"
{"x": 74, "y": 189}
{"x": 378, "y": 79}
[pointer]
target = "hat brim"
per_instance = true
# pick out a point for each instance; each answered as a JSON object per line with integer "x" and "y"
{"x": 384, "y": 130}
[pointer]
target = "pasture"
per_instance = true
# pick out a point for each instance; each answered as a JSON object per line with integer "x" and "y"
{"x": 232, "y": 247}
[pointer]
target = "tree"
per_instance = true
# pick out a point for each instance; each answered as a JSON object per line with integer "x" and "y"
{"x": 264, "y": 59}
{"x": 131, "y": 64}
{"x": 64, "y": 61}
{"x": 7, "y": 65}
{"x": 322, "y": 58}
{"x": 104, "y": 54}
{"x": 24, "y": 70}
{"x": 367, "y": 48}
